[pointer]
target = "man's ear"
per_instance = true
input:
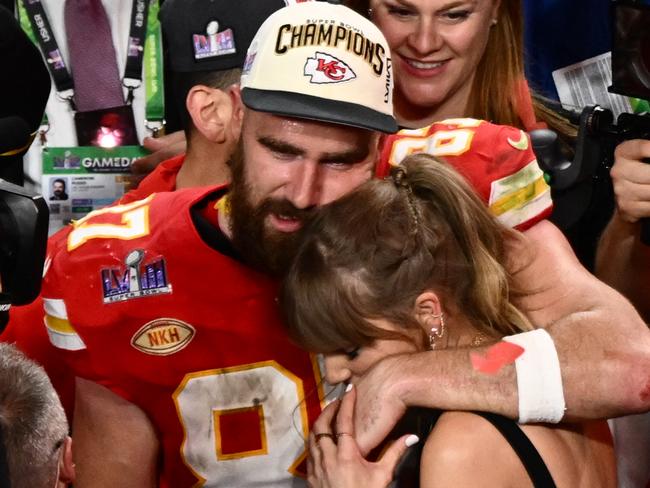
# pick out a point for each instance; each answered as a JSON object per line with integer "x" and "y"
{"x": 234, "y": 93}
{"x": 211, "y": 112}
{"x": 428, "y": 310}
{"x": 66, "y": 466}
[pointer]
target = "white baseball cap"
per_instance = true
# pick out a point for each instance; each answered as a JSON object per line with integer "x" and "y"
{"x": 321, "y": 61}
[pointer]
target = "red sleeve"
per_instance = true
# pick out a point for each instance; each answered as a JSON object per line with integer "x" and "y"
{"x": 163, "y": 178}
{"x": 498, "y": 161}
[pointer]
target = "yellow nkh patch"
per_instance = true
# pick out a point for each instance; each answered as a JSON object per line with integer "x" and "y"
{"x": 163, "y": 336}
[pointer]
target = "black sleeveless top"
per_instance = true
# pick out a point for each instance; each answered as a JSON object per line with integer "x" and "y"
{"x": 422, "y": 420}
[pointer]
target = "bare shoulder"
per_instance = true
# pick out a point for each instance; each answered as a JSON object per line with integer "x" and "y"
{"x": 465, "y": 450}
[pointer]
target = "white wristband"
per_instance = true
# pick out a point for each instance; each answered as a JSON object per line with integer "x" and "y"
{"x": 539, "y": 381}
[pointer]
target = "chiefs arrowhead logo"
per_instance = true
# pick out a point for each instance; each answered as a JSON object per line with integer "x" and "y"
{"x": 324, "y": 68}
{"x": 162, "y": 337}
{"x": 522, "y": 143}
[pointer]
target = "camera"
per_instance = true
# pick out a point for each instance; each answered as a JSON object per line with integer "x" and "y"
{"x": 23, "y": 226}
{"x": 582, "y": 187}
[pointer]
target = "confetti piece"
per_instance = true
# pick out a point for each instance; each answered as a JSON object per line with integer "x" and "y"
{"x": 496, "y": 357}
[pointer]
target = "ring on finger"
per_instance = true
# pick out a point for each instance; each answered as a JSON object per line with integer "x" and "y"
{"x": 324, "y": 434}
{"x": 341, "y": 434}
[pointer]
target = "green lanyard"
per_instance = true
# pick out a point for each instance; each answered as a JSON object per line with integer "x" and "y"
{"x": 153, "y": 69}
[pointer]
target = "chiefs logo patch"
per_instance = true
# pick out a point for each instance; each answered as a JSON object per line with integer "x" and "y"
{"x": 162, "y": 337}
{"x": 323, "y": 68}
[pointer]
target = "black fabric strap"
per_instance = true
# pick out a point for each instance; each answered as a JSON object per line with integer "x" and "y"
{"x": 49, "y": 46}
{"x": 137, "y": 39}
{"x": 530, "y": 458}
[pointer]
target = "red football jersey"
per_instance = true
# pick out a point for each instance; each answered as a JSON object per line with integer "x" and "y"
{"x": 162, "y": 178}
{"x": 497, "y": 160}
{"x": 136, "y": 300}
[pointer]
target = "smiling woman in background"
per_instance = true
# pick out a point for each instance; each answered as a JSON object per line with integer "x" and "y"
{"x": 458, "y": 59}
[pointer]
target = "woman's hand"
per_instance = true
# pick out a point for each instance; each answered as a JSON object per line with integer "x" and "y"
{"x": 335, "y": 460}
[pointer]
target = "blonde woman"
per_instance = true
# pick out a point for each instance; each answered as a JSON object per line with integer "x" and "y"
{"x": 411, "y": 263}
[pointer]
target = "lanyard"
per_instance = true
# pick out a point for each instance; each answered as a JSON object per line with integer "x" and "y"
{"x": 154, "y": 85}
{"x": 144, "y": 26}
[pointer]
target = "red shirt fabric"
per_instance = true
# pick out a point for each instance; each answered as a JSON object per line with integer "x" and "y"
{"x": 163, "y": 178}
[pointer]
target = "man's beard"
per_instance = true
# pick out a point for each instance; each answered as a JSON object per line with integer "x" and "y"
{"x": 264, "y": 249}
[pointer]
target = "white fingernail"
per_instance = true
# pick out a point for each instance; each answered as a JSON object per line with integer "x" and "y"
{"x": 348, "y": 388}
{"x": 411, "y": 440}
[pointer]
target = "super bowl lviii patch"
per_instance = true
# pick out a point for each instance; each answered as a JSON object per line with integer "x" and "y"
{"x": 135, "y": 279}
{"x": 163, "y": 336}
{"x": 213, "y": 43}
{"x": 324, "y": 68}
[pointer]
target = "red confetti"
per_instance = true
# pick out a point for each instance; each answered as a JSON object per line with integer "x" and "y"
{"x": 496, "y": 357}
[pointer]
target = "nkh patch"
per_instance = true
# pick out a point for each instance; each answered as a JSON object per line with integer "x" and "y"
{"x": 325, "y": 68}
{"x": 163, "y": 336}
{"x": 136, "y": 279}
{"x": 213, "y": 43}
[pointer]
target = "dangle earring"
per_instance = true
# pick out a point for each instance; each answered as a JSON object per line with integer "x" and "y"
{"x": 437, "y": 332}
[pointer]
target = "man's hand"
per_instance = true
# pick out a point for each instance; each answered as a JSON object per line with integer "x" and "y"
{"x": 631, "y": 180}
{"x": 378, "y": 406}
{"x": 161, "y": 148}
{"x": 622, "y": 260}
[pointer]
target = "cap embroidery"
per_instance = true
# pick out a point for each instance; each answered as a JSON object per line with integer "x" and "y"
{"x": 324, "y": 68}
{"x": 215, "y": 43}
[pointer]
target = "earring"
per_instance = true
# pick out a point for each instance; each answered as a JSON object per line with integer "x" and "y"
{"x": 494, "y": 21}
{"x": 437, "y": 332}
{"x": 369, "y": 13}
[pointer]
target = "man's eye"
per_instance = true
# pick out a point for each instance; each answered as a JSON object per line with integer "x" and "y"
{"x": 283, "y": 156}
{"x": 339, "y": 164}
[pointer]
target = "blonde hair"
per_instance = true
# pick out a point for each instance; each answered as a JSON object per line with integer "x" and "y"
{"x": 372, "y": 253}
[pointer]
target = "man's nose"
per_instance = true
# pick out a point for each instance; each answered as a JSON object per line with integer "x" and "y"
{"x": 304, "y": 188}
